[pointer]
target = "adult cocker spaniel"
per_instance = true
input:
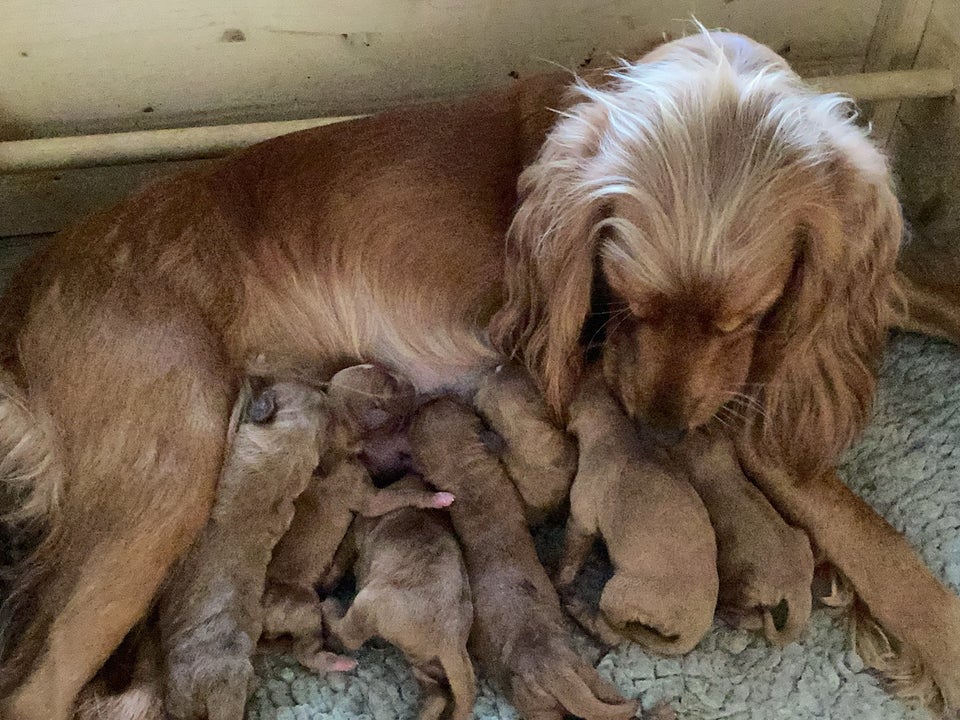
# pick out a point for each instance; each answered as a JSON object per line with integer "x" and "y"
{"x": 742, "y": 228}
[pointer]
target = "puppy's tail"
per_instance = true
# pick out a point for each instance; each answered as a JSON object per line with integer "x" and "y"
{"x": 583, "y": 693}
{"x": 30, "y": 482}
{"x": 458, "y": 668}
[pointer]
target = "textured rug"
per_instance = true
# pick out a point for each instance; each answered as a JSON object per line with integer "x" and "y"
{"x": 907, "y": 465}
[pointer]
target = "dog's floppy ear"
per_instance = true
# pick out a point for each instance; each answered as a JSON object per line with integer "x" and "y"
{"x": 551, "y": 246}
{"x": 819, "y": 350}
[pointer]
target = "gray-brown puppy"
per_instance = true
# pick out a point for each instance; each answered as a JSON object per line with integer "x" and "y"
{"x": 414, "y": 593}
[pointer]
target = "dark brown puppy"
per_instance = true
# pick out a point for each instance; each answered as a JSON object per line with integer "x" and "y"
{"x": 361, "y": 399}
{"x": 414, "y": 593}
{"x": 518, "y": 635}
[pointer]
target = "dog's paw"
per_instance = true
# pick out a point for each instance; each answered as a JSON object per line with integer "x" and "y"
{"x": 203, "y": 686}
{"x": 765, "y": 582}
{"x": 926, "y": 669}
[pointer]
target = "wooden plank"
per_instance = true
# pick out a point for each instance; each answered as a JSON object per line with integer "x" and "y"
{"x": 893, "y": 45}
{"x": 49, "y": 200}
{"x": 927, "y": 138}
{"x": 74, "y": 68}
{"x": 14, "y": 251}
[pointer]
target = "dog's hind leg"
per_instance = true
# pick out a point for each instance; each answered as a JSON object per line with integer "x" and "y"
{"x": 140, "y": 400}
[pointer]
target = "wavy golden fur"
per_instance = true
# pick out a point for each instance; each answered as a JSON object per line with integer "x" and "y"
{"x": 712, "y": 180}
{"x": 742, "y": 228}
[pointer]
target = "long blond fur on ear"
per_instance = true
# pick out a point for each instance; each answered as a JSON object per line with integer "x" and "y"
{"x": 818, "y": 353}
{"x": 551, "y": 244}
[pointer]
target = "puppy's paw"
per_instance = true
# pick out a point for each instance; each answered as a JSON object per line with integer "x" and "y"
{"x": 202, "y": 686}
{"x": 548, "y": 679}
{"x": 288, "y": 609}
{"x": 309, "y": 652}
{"x": 442, "y": 500}
{"x": 765, "y": 581}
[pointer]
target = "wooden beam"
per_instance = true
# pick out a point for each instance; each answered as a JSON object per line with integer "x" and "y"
{"x": 893, "y": 46}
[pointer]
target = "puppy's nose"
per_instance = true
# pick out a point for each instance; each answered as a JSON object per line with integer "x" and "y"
{"x": 668, "y": 436}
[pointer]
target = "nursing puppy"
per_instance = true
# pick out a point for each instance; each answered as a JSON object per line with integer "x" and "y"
{"x": 766, "y": 566}
{"x": 518, "y": 635}
{"x": 664, "y": 588}
{"x": 362, "y": 399}
{"x": 415, "y": 594}
{"x": 540, "y": 458}
{"x": 209, "y": 616}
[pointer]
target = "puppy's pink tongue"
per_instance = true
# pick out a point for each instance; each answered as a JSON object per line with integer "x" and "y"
{"x": 343, "y": 664}
{"x": 442, "y": 499}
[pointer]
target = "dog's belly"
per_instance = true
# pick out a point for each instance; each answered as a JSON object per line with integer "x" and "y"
{"x": 435, "y": 337}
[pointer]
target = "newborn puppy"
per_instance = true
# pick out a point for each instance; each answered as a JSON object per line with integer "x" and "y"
{"x": 361, "y": 399}
{"x": 540, "y": 458}
{"x": 664, "y": 589}
{"x": 414, "y": 593}
{"x": 765, "y": 565}
{"x": 208, "y": 615}
{"x": 518, "y": 634}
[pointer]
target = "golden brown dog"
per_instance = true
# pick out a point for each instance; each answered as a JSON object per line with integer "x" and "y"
{"x": 361, "y": 398}
{"x": 518, "y": 635}
{"x": 738, "y": 230}
{"x": 740, "y": 233}
{"x": 414, "y": 593}
{"x": 663, "y": 592}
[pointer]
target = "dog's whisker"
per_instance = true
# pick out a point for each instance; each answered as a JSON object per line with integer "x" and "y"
{"x": 621, "y": 314}
{"x": 718, "y": 418}
{"x": 749, "y": 401}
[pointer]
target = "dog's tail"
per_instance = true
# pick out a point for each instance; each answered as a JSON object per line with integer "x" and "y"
{"x": 142, "y": 699}
{"x": 30, "y": 482}
{"x": 458, "y": 668}
{"x": 928, "y": 285}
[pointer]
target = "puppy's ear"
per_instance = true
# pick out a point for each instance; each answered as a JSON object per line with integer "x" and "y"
{"x": 821, "y": 346}
{"x": 551, "y": 246}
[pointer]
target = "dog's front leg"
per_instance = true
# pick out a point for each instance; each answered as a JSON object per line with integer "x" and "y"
{"x": 210, "y": 611}
{"x": 911, "y": 605}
